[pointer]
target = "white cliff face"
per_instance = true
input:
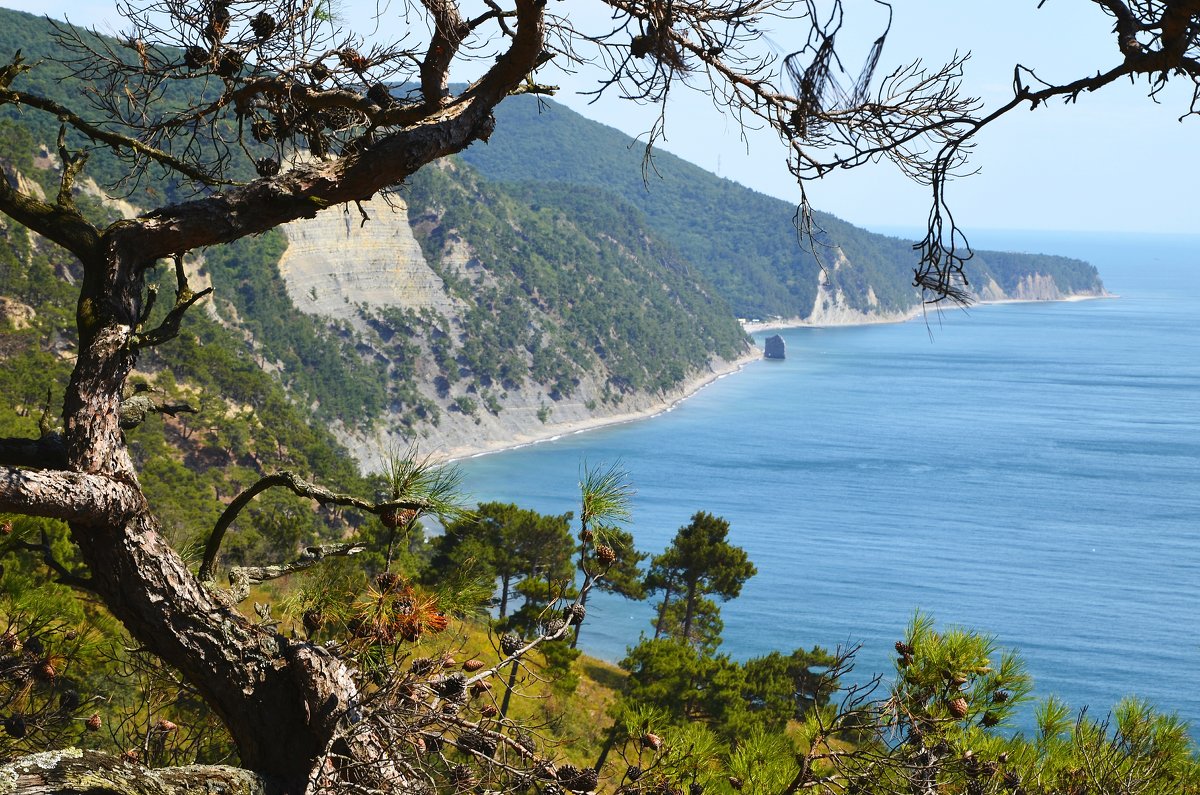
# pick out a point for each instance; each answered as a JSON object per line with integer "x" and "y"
{"x": 832, "y": 309}
{"x": 1036, "y": 287}
{"x": 334, "y": 262}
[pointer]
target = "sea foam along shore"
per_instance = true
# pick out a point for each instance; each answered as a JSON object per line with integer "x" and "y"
{"x": 669, "y": 400}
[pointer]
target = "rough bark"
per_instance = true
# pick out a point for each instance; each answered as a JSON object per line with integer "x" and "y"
{"x": 75, "y": 772}
{"x": 282, "y": 700}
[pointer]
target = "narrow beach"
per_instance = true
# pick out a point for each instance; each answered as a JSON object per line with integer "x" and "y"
{"x": 666, "y": 403}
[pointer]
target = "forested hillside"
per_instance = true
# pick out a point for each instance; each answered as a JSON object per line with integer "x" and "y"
{"x": 742, "y": 241}
{"x": 558, "y": 298}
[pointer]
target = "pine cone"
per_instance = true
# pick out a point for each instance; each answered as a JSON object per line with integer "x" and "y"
{"x": 574, "y": 614}
{"x": 15, "y": 727}
{"x": 45, "y": 671}
{"x": 577, "y": 780}
{"x": 218, "y": 23}
{"x": 606, "y": 555}
{"x": 387, "y": 580}
{"x": 462, "y": 776}
{"x": 422, "y": 665}
{"x": 478, "y": 742}
{"x": 510, "y": 644}
{"x": 267, "y": 167}
{"x": 313, "y": 620}
{"x": 380, "y": 94}
{"x": 352, "y": 60}
{"x": 958, "y": 708}
{"x": 452, "y": 688}
{"x": 230, "y": 63}
{"x": 471, "y": 666}
{"x": 68, "y": 701}
{"x": 195, "y": 57}
{"x": 651, "y": 741}
{"x": 93, "y": 723}
{"x": 554, "y": 626}
{"x": 263, "y": 25}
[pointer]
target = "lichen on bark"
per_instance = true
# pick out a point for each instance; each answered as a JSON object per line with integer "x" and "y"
{"x": 71, "y": 770}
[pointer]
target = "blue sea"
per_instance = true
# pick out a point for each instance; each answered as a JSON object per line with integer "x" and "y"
{"x": 1028, "y": 470}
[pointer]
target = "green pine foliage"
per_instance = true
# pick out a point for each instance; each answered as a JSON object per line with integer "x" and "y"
{"x": 604, "y": 294}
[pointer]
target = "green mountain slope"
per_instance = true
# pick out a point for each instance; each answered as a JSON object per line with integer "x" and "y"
{"x": 742, "y": 241}
{"x": 549, "y": 298}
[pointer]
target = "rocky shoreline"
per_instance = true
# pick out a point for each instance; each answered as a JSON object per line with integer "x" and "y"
{"x": 659, "y": 405}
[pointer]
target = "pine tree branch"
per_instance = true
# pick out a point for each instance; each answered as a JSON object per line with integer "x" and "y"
{"x": 297, "y": 486}
{"x": 48, "y": 452}
{"x": 242, "y": 577}
{"x": 65, "y": 575}
{"x": 69, "y": 496}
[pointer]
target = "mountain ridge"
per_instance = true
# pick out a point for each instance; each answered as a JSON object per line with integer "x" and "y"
{"x": 714, "y": 221}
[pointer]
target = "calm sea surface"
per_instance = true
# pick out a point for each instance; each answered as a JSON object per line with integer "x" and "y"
{"x": 1029, "y": 470}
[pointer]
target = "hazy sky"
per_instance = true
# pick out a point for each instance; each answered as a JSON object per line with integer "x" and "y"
{"x": 1116, "y": 160}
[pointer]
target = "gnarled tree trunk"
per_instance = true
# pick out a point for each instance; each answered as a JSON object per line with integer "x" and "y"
{"x": 284, "y": 701}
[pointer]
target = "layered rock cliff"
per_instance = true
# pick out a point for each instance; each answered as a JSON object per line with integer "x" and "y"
{"x": 490, "y": 351}
{"x": 336, "y": 261}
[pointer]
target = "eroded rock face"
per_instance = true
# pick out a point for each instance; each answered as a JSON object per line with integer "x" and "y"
{"x": 774, "y": 348}
{"x": 1037, "y": 287}
{"x": 15, "y": 315}
{"x": 335, "y": 261}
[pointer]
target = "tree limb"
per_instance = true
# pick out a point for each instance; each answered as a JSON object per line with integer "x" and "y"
{"x": 62, "y": 224}
{"x": 298, "y": 486}
{"x": 70, "y": 496}
{"x": 135, "y": 409}
{"x": 75, "y": 772}
{"x": 48, "y": 452}
{"x": 65, "y": 575}
{"x": 72, "y": 164}
{"x": 168, "y": 329}
{"x": 64, "y": 114}
{"x": 449, "y": 30}
{"x": 242, "y": 577}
